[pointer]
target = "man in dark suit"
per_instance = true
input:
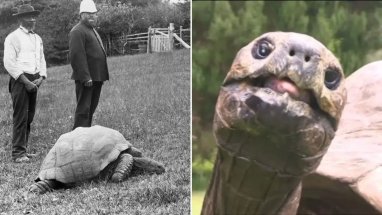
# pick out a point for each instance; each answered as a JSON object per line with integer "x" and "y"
{"x": 88, "y": 59}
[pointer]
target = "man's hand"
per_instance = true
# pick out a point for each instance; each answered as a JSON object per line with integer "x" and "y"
{"x": 38, "y": 81}
{"x": 30, "y": 86}
{"x": 88, "y": 83}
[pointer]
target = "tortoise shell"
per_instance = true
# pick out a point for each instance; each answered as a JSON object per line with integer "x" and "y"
{"x": 350, "y": 174}
{"x": 82, "y": 154}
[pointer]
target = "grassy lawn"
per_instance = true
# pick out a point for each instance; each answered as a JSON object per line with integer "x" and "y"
{"x": 197, "y": 201}
{"x": 148, "y": 100}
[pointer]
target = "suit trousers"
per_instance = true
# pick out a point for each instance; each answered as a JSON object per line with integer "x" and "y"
{"x": 24, "y": 108}
{"x": 87, "y": 101}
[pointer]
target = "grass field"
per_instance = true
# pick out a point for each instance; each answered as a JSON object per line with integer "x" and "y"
{"x": 148, "y": 100}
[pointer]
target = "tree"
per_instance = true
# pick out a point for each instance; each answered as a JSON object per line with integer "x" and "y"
{"x": 287, "y": 16}
{"x": 116, "y": 20}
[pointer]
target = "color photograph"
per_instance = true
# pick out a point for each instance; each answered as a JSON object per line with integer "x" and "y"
{"x": 286, "y": 111}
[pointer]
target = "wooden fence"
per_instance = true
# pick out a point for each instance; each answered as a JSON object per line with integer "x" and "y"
{"x": 154, "y": 40}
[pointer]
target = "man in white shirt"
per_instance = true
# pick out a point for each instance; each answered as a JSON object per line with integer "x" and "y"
{"x": 25, "y": 62}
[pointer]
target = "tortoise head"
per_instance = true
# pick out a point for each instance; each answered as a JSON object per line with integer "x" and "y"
{"x": 282, "y": 87}
{"x": 148, "y": 165}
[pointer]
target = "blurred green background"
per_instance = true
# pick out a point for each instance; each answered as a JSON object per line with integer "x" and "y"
{"x": 350, "y": 29}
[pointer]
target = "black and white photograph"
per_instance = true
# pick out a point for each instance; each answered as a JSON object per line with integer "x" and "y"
{"x": 95, "y": 107}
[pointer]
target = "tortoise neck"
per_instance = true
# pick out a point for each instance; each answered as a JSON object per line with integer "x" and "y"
{"x": 240, "y": 186}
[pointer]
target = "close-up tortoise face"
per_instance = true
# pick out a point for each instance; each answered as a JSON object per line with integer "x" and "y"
{"x": 285, "y": 90}
{"x": 276, "y": 114}
{"x": 295, "y": 64}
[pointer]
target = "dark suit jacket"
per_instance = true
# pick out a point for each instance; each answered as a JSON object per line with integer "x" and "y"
{"x": 87, "y": 57}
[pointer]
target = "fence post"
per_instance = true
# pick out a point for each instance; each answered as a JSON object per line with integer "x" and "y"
{"x": 171, "y": 36}
{"x": 123, "y": 39}
{"x": 149, "y": 40}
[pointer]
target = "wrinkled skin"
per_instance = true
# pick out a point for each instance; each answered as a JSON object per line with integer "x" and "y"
{"x": 276, "y": 114}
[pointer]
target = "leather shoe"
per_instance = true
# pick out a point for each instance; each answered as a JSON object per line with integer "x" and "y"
{"x": 22, "y": 159}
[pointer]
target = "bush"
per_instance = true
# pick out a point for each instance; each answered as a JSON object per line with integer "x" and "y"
{"x": 201, "y": 173}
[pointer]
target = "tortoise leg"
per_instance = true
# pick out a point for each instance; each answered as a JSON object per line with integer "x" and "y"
{"x": 134, "y": 152}
{"x": 43, "y": 186}
{"x": 149, "y": 165}
{"x": 123, "y": 168}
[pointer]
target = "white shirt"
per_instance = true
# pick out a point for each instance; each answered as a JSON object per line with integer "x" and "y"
{"x": 24, "y": 53}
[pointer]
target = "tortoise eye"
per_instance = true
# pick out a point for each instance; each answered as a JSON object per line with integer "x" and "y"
{"x": 332, "y": 78}
{"x": 262, "y": 50}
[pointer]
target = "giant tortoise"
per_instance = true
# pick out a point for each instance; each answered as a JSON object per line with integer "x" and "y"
{"x": 275, "y": 117}
{"x": 90, "y": 153}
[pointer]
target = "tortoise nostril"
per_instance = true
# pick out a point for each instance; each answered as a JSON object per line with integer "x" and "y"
{"x": 292, "y": 53}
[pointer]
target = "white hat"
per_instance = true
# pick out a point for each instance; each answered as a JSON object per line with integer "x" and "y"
{"x": 87, "y": 6}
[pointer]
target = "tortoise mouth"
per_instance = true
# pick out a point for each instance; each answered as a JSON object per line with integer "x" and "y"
{"x": 285, "y": 87}
{"x": 267, "y": 92}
